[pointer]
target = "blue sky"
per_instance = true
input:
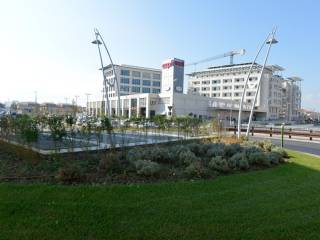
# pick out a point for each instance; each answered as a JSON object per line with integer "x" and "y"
{"x": 45, "y": 45}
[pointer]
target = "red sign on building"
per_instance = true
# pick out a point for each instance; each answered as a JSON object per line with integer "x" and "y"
{"x": 172, "y": 63}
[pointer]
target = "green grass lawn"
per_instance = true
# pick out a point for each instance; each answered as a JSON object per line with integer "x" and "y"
{"x": 278, "y": 203}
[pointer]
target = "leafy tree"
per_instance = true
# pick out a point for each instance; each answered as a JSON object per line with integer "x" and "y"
{"x": 107, "y": 126}
{"x": 57, "y": 130}
{"x": 28, "y": 129}
{"x": 5, "y": 127}
{"x": 70, "y": 121}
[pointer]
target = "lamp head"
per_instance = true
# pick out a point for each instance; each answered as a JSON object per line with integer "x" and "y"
{"x": 272, "y": 40}
{"x": 96, "y": 42}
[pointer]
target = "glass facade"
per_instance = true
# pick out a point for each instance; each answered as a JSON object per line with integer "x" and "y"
{"x": 136, "y": 89}
{"x": 124, "y": 80}
{"x": 146, "y": 90}
{"x": 146, "y": 75}
{"x": 146, "y": 83}
{"x": 136, "y": 81}
{"x": 124, "y": 88}
{"x": 125, "y": 72}
{"x": 156, "y": 76}
{"x": 136, "y": 74}
{"x": 155, "y": 90}
{"x": 156, "y": 83}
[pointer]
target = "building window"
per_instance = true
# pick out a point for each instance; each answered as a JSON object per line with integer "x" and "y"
{"x": 136, "y": 81}
{"x": 146, "y": 75}
{"x": 136, "y": 89}
{"x": 124, "y": 88}
{"x": 146, "y": 83}
{"x": 239, "y": 80}
{"x": 124, "y": 80}
{"x": 227, "y": 80}
{"x": 125, "y": 72}
{"x": 136, "y": 74}
{"x": 156, "y": 76}
{"x": 156, "y": 83}
{"x": 146, "y": 90}
{"x": 216, "y": 81}
{"x": 155, "y": 90}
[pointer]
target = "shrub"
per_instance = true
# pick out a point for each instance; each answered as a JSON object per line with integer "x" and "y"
{"x": 274, "y": 157}
{"x": 233, "y": 162}
{"x": 196, "y": 148}
{"x": 259, "y": 158}
{"x": 160, "y": 155}
{"x": 266, "y": 145}
{"x": 243, "y": 163}
{"x": 280, "y": 150}
{"x": 196, "y": 169}
{"x": 215, "y": 149}
{"x": 219, "y": 164}
{"x": 249, "y": 150}
{"x": 231, "y": 149}
{"x": 147, "y": 168}
{"x": 175, "y": 151}
{"x": 187, "y": 157}
{"x": 110, "y": 163}
{"x": 135, "y": 154}
{"x": 70, "y": 174}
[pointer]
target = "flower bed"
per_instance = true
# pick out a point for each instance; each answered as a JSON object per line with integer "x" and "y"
{"x": 183, "y": 160}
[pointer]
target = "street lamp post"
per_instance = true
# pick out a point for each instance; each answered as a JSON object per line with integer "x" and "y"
{"x": 107, "y": 82}
{"x": 87, "y": 94}
{"x": 271, "y": 41}
{"x": 76, "y": 98}
{"x": 246, "y": 83}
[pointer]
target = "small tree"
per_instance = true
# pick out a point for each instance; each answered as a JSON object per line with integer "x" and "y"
{"x": 5, "y": 127}
{"x": 28, "y": 130}
{"x": 107, "y": 126}
{"x": 86, "y": 132}
{"x": 70, "y": 121}
{"x": 57, "y": 130}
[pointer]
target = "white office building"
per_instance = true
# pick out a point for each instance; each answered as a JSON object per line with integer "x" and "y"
{"x": 291, "y": 100}
{"x": 214, "y": 92}
{"x": 170, "y": 101}
{"x": 227, "y": 82}
{"x": 133, "y": 79}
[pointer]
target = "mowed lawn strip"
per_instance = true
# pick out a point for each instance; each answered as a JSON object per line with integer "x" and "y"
{"x": 278, "y": 203}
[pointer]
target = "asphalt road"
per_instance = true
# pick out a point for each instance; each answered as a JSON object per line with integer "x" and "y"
{"x": 307, "y": 146}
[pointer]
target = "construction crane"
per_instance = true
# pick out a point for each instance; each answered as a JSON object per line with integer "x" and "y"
{"x": 227, "y": 54}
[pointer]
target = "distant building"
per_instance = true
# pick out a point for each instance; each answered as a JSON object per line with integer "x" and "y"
{"x": 291, "y": 100}
{"x": 172, "y": 75}
{"x": 28, "y": 108}
{"x": 227, "y": 82}
{"x": 3, "y": 109}
{"x": 310, "y": 116}
{"x": 170, "y": 101}
{"x": 133, "y": 79}
{"x": 213, "y": 92}
{"x": 61, "y": 109}
{"x": 32, "y": 108}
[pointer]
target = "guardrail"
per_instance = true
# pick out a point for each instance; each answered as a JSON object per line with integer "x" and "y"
{"x": 288, "y": 132}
